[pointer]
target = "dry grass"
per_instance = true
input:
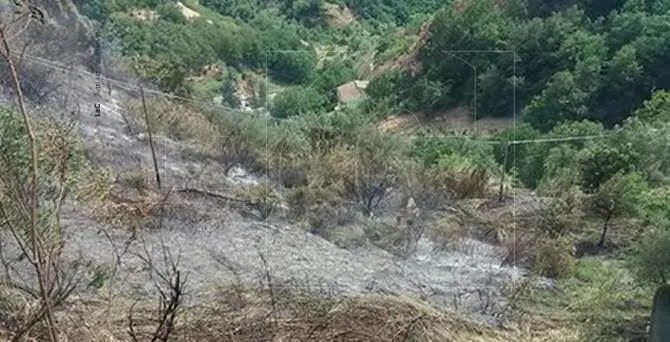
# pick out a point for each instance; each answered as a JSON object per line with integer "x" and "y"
{"x": 329, "y": 170}
{"x": 448, "y": 230}
{"x": 554, "y": 258}
{"x": 338, "y": 16}
{"x": 459, "y": 180}
{"x": 187, "y": 12}
{"x": 176, "y": 120}
{"x": 261, "y": 197}
{"x": 287, "y": 312}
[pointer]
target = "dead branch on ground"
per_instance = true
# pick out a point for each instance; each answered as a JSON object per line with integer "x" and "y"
{"x": 170, "y": 284}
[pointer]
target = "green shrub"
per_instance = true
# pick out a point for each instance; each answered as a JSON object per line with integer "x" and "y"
{"x": 602, "y": 160}
{"x": 50, "y": 142}
{"x": 292, "y": 67}
{"x": 171, "y": 12}
{"x": 651, "y": 260}
{"x": 297, "y": 101}
{"x": 478, "y": 153}
{"x": 620, "y": 196}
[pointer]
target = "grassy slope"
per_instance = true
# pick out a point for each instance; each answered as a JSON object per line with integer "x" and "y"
{"x": 601, "y": 300}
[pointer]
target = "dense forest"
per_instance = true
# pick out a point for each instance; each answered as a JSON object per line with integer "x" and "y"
{"x": 569, "y": 57}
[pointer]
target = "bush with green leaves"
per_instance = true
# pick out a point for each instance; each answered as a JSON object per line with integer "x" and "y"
{"x": 656, "y": 205}
{"x": 331, "y": 75}
{"x": 657, "y": 108}
{"x": 263, "y": 199}
{"x": 186, "y": 47}
{"x": 307, "y": 12}
{"x": 229, "y": 89}
{"x": 530, "y": 158}
{"x": 50, "y": 142}
{"x": 333, "y": 129}
{"x": 650, "y": 261}
{"x": 479, "y": 153}
{"x": 391, "y": 12}
{"x": 171, "y": 12}
{"x": 292, "y": 67}
{"x": 386, "y": 88}
{"x": 298, "y": 100}
{"x": 622, "y": 195}
{"x": 650, "y": 142}
{"x": 458, "y": 168}
{"x": 561, "y": 175}
{"x": 400, "y": 89}
{"x": 602, "y": 160}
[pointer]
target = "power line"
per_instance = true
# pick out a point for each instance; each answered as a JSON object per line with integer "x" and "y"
{"x": 133, "y": 87}
{"x": 511, "y": 142}
{"x": 120, "y": 84}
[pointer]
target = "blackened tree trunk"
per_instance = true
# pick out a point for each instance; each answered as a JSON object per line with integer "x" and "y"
{"x": 603, "y": 236}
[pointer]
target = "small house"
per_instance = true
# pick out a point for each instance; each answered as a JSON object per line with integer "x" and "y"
{"x": 351, "y": 91}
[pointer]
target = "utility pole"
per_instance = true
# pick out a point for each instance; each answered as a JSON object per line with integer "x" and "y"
{"x": 502, "y": 171}
{"x": 151, "y": 142}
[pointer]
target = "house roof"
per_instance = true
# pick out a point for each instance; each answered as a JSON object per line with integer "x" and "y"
{"x": 351, "y": 91}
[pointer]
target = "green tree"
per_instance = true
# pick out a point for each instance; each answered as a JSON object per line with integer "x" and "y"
{"x": 650, "y": 142}
{"x": 656, "y": 109}
{"x": 595, "y": 9}
{"x": 619, "y": 196}
{"x": 602, "y": 160}
{"x": 386, "y": 88}
{"x": 331, "y": 75}
{"x": 171, "y": 12}
{"x": 560, "y": 175}
{"x": 657, "y": 206}
{"x": 561, "y": 101}
{"x": 307, "y": 12}
{"x": 168, "y": 75}
{"x": 298, "y": 101}
{"x": 481, "y": 25}
{"x": 262, "y": 92}
{"x": 95, "y": 9}
{"x": 293, "y": 67}
{"x": 259, "y": 90}
{"x": 229, "y": 90}
{"x": 651, "y": 262}
{"x": 622, "y": 75}
{"x": 529, "y": 159}
{"x": 516, "y": 153}
{"x": 538, "y": 59}
{"x": 424, "y": 93}
{"x": 543, "y": 8}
